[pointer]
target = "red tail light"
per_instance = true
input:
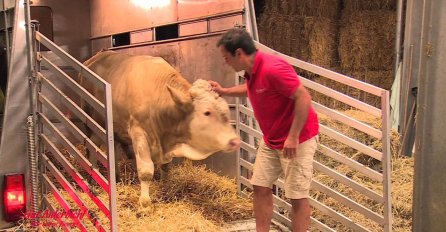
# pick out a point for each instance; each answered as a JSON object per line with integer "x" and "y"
{"x": 14, "y": 197}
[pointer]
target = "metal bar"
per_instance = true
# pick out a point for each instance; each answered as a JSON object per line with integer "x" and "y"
{"x": 78, "y": 89}
{"x": 81, "y": 137}
{"x": 51, "y": 207}
{"x": 68, "y": 59}
{"x": 111, "y": 160}
{"x": 248, "y": 147}
{"x": 347, "y": 202}
{"x": 251, "y": 19}
{"x": 246, "y": 110}
{"x": 387, "y": 166}
{"x": 84, "y": 163}
{"x": 86, "y": 119}
{"x": 250, "y": 131}
{"x": 333, "y": 114}
{"x": 154, "y": 42}
{"x": 348, "y": 182}
{"x": 351, "y": 142}
{"x": 341, "y": 97}
{"x": 351, "y": 163}
{"x": 324, "y": 72}
{"x": 94, "y": 150}
{"x": 70, "y": 190}
{"x": 77, "y": 177}
{"x": 246, "y": 164}
{"x": 62, "y": 201}
{"x": 191, "y": 20}
{"x": 399, "y": 26}
{"x": 337, "y": 216}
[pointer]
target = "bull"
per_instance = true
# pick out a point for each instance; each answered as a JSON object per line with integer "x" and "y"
{"x": 160, "y": 114}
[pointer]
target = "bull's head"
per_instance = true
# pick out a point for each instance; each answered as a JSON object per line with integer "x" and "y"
{"x": 209, "y": 127}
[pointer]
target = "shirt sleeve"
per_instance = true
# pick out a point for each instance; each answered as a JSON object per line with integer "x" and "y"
{"x": 283, "y": 78}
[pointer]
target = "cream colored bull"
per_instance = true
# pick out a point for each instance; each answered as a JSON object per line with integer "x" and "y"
{"x": 158, "y": 111}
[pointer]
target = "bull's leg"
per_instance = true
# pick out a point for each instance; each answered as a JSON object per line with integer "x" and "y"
{"x": 144, "y": 163}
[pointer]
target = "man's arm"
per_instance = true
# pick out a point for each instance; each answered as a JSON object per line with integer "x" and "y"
{"x": 235, "y": 91}
{"x": 302, "y": 102}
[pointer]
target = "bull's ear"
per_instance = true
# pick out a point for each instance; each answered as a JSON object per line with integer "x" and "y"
{"x": 178, "y": 97}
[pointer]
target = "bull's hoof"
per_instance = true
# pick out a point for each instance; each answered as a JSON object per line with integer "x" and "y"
{"x": 145, "y": 201}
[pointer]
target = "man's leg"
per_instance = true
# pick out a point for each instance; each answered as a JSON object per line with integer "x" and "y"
{"x": 300, "y": 214}
{"x": 263, "y": 207}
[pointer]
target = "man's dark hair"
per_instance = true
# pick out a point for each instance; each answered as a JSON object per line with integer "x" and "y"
{"x": 237, "y": 38}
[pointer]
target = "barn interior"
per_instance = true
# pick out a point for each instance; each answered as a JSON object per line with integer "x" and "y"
{"x": 351, "y": 37}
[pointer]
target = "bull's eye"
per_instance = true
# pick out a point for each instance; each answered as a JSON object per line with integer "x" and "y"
{"x": 207, "y": 113}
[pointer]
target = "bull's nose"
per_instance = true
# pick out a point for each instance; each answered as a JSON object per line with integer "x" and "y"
{"x": 234, "y": 144}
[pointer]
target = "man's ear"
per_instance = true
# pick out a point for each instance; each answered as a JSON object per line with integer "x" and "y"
{"x": 181, "y": 99}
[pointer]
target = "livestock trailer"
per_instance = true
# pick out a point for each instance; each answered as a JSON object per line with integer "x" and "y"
{"x": 46, "y": 43}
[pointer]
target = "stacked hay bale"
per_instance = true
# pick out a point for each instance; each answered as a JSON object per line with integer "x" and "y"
{"x": 304, "y": 29}
{"x": 366, "y": 43}
{"x": 307, "y": 30}
{"x": 353, "y": 37}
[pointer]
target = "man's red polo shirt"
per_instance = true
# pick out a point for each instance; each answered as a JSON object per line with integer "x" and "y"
{"x": 272, "y": 83}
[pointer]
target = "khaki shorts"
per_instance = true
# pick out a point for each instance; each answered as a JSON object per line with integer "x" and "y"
{"x": 297, "y": 172}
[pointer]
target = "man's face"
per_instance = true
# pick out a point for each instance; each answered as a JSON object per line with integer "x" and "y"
{"x": 233, "y": 61}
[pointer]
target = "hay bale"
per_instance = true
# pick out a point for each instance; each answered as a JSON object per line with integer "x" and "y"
{"x": 366, "y": 40}
{"x": 322, "y": 41}
{"x": 315, "y": 8}
{"x": 311, "y": 39}
{"x": 365, "y": 5}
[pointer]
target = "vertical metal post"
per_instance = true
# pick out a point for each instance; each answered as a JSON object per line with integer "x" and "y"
{"x": 32, "y": 119}
{"x": 387, "y": 160}
{"x": 8, "y": 49}
{"x": 429, "y": 204}
{"x": 251, "y": 24}
{"x": 111, "y": 160}
{"x": 399, "y": 26}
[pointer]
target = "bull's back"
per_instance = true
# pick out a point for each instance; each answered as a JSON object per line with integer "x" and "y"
{"x": 139, "y": 83}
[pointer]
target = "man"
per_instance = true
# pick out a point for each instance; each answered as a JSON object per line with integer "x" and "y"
{"x": 282, "y": 107}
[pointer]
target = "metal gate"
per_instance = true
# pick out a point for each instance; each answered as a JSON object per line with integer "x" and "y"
{"x": 326, "y": 199}
{"x": 70, "y": 182}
